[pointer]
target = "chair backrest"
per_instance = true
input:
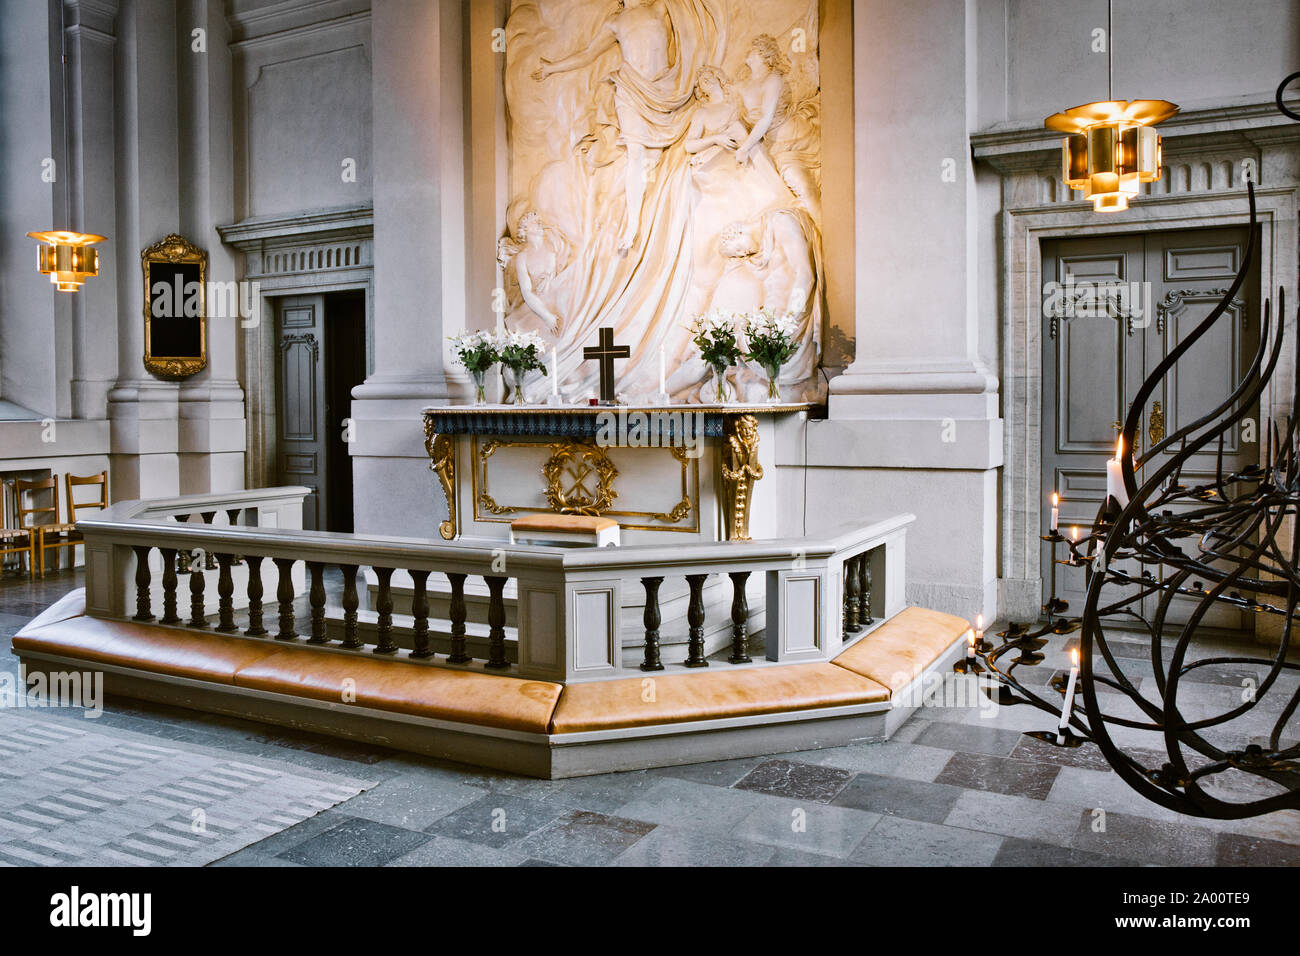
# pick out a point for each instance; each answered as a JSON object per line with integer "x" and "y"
{"x": 24, "y": 486}
{"x": 101, "y": 502}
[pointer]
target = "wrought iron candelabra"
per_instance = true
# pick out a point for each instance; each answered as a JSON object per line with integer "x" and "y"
{"x": 1175, "y": 546}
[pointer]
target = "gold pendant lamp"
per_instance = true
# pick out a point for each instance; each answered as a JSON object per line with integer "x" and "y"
{"x": 1111, "y": 147}
{"x": 66, "y": 256}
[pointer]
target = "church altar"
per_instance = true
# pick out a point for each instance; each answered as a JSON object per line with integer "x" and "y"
{"x": 666, "y": 473}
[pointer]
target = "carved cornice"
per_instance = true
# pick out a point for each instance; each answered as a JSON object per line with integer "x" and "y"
{"x": 251, "y": 235}
{"x": 94, "y": 17}
{"x": 251, "y": 25}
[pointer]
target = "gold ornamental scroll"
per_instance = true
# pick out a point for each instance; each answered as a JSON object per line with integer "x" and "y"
{"x": 442, "y": 462}
{"x": 740, "y": 469}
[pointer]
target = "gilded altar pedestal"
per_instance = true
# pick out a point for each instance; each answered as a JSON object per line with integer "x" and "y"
{"x": 665, "y": 473}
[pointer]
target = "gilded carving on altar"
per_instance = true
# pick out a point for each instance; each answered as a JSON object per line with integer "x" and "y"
{"x": 665, "y": 161}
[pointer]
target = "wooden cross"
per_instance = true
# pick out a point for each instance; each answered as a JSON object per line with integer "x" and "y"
{"x": 605, "y": 353}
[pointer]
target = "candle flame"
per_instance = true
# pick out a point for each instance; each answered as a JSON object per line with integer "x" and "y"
{"x": 1056, "y": 499}
{"x": 970, "y": 638}
{"x": 1074, "y": 657}
{"x": 1119, "y": 448}
{"x": 1074, "y": 532}
{"x": 979, "y": 622}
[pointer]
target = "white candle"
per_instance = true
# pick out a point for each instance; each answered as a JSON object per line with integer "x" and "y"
{"x": 555, "y": 373}
{"x": 1069, "y": 697}
{"x": 970, "y": 645}
{"x": 1056, "y": 510}
{"x": 662, "y": 379}
{"x": 1115, "y": 476}
{"x": 979, "y": 628}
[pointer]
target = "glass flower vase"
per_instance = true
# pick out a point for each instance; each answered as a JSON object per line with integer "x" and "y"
{"x": 721, "y": 391}
{"x": 514, "y": 384}
{"x": 480, "y": 386}
{"x": 773, "y": 386}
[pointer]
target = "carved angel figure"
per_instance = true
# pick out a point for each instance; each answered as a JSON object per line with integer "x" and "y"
{"x": 535, "y": 259}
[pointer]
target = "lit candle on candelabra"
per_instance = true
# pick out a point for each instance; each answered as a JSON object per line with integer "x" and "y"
{"x": 1069, "y": 697}
{"x": 1056, "y": 510}
{"x": 1115, "y": 476}
{"x": 970, "y": 645}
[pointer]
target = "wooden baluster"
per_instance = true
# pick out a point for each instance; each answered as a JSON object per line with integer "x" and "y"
{"x": 225, "y": 589}
{"x": 739, "y": 619}
{"x": 851, "y": 592}
{"x": 197, "y": 617}
{"x": 652, "y": 622}
{"x": 457, "y": 612}
{"x": 182, "y": 556}
{"x": 864, "y": 601}
{"x": 420, "y": 612}
{"x": 142, "y": 610}
{"x": 350, "y": 638}
{"x": 316, "y": 596}
{"x": 232, "y": 516}
{"x": 255, "y": 628}
{"x": 695, "y": 621}
{"x": 284, "y": 594}
{"x": 384, "y": 643}
{"x": 208, "y": 563}
{"x": 169, "y": 586}
{"x": 496, "y": 624}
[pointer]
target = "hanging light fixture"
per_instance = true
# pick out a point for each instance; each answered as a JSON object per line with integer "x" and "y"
{"x": 65, "y": 256}
{"x": 1111, "y": 147}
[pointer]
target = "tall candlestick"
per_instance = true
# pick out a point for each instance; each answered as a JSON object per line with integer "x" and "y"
{"x": 1056, "y": 510}
{"x": 1115, "y": 476}
{"x": 1069, "y": 697}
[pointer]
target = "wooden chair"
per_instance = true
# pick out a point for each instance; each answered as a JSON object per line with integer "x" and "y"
{"x": 19, "y": 541}
{"x": 64, "y": 534}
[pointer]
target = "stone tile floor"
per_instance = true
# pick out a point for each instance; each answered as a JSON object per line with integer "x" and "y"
{"x": 954, "y": 787}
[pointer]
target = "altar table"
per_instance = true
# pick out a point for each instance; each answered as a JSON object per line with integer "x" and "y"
{"x": 664, "y": 472}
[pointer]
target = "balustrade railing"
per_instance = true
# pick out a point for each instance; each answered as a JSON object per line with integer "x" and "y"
{"x": 818, "y": 590}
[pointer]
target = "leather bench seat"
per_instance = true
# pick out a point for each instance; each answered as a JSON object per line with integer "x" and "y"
{"x": 896, "y": 653}
{"x": 146, "y": 647}
{"x": 607, "y": 705}
{"x": 488, "y": 700}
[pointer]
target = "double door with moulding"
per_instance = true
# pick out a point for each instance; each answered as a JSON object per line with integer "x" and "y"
{"x": 1113, "y": 308}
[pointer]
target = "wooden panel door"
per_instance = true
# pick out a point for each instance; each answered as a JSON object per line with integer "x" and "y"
{"x": 1098, "y": 347}
{"x": 301, "y": 423}
{"x": 1190, "y": 272}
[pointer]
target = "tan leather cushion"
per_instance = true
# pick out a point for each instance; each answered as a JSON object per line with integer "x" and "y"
{"x": 604, "y": 705}
{"x": 897, "y": 651}
{"x": 211, "y": 657}
{"x": 489, "y": 700}
{"x": 557, "y": 522}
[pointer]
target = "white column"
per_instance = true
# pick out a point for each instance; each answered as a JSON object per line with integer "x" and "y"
{"x": 143, "y": 411}
{"x": 915, "y": 416}
{"x": 211, "y": 434}
{"x": 419, "y": 242}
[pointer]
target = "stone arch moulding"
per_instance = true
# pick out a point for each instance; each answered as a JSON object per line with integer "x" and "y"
{"x": 1032, "y": 212}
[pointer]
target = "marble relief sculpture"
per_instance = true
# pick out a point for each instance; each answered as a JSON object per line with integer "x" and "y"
{"x": 648, "y": 185}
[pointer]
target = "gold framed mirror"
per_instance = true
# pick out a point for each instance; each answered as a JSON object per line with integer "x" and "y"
{"x": 175, "y": 308}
